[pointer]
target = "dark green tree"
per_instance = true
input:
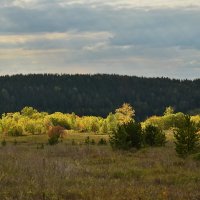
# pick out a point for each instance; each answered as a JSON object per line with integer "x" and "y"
{"x": 154, "y": 136}
{"x": 127, "y": 136}
{"x": 186, "y": 137}
{"x": 119, "y": 139}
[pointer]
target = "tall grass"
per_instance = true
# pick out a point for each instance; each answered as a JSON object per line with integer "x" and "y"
{"x": 93, "y": 172}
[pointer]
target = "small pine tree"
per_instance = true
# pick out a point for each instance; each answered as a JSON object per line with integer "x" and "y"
{"x": 87, "y": 140}
{"x": 134, "y": 131}
{"x": 102, "y": 141}
{"x": 186, "y": 137}
{"x": 127, "y": 136}
{"x": 118, "y": 139}
{"x": 153, "y": 136}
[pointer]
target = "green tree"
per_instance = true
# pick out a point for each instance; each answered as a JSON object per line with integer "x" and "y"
{"x": 119, "y": 139}
{"x": 154, "y": 136}
{"x": 127, "y": 136}
{"x": 186, "y": 136}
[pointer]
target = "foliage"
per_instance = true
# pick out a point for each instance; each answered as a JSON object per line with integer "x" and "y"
{"x": 169, "y": 111}
{"x": 59, "y": 119}
{"x": 134, "y": 131}
{"x": 153, "y": 136}
{"x": 127, "y": 136}
{"x": 111, "y": 123}
{"x": 125, "y": 114}
{"x": 54, "y": 133}
{"x": 165, "y": 122}
{"x": 196, "y": 120}
{"x": 102, "y": 141}
{"x": 186, "y": 137}
{"x": 119, "y": 139}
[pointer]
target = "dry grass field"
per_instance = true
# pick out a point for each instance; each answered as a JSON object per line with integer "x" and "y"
{"x": 32, "y": 171}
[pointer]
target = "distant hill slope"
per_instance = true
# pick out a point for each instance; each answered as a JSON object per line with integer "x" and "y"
{"x": 97, "y": 94}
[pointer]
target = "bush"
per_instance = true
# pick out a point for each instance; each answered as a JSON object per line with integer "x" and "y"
{"x": 118, "y": 139}
{"x": 54, "y": 133}
{"x": 127, "y": 136}
{"x": 15, "y": 131}
{"x": 187, "y": 137}
{"x": 102, "y": 142}
{"x": 153, "y": 136}
{"x": 89, "y": 141}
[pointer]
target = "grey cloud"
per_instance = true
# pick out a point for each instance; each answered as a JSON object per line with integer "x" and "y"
{"x": 144, "y": 42}
{"x": 158, "y": 28}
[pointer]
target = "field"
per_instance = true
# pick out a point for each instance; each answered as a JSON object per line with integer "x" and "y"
{"x": 75, "y": 171}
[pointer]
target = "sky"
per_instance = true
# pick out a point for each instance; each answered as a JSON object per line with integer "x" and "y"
{"x": 150, "y": 38}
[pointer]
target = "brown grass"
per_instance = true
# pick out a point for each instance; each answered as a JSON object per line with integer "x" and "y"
{"x": 92, "y": 172}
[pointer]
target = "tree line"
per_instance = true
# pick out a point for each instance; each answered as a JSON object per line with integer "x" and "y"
{"x": 124, "y": 131}
{"x": 97, "y": 95}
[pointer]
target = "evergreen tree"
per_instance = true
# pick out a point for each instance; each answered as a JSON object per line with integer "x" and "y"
{"x": 127, "y": 136}
{"x": 186, "y": 137}
{"x": 153, "y": 136}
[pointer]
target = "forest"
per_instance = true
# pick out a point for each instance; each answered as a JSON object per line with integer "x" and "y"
{"x": 98, "y": 95}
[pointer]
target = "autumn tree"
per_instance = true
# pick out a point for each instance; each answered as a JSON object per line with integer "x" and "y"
{"x": 125, "y": 114}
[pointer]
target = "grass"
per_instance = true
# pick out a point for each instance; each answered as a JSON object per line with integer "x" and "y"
{"x": 93, "y": 172}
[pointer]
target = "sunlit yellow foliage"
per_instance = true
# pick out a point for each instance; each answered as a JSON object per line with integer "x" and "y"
{"x": 165, "y": 122}
{"x": 196, "y": 120}
{"x": 125, "y": 114}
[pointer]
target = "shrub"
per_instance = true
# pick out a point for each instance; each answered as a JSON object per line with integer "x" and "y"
{"x": 102, "y": 142}
{"x": 87, "y": 140}
{"x": 186, "y": 137}
{"x": 118, "y": 139}
{"x": 59, "y": 119}
{"x": 134, "y": 131}
{"x": 127, "y": 136}
{"x": 153, "y": 136}
{"x": 15, "y": 130}
{"x": 54, "y": 133}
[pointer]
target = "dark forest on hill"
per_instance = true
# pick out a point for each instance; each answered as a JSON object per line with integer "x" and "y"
{"x": 98, "y": 94}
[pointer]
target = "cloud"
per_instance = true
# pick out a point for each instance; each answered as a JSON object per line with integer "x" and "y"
{"x": 151, "y": 38}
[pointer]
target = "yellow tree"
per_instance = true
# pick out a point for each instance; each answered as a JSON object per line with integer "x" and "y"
{"x": 125, "y": 114}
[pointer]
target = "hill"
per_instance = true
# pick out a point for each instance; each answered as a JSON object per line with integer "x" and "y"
{"x": 97, "y": 94}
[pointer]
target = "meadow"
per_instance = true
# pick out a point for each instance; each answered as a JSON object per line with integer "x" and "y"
{"x": 33, "y": 170}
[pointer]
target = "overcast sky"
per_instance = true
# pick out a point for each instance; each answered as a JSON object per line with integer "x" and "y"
{"x": 152, "y": 38}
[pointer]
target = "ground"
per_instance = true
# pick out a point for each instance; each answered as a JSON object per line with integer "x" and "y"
{"x": 31, "y": 169}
